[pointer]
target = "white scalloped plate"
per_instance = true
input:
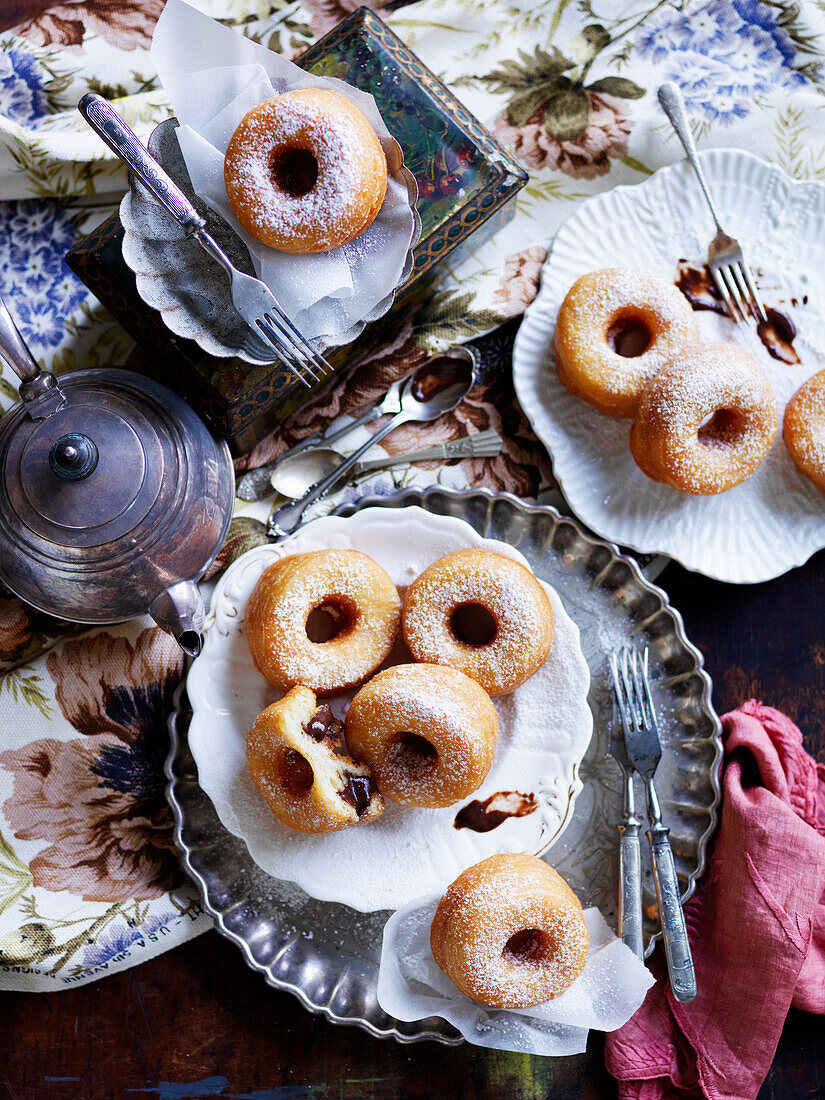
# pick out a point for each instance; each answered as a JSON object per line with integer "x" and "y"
{"x": 545, "y": 730}
{"x": 776, "y": 519}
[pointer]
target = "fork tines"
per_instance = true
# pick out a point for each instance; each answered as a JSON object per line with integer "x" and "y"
{"x": 738, "y": 290}
{"x": 631, "y": 687}
{"x": 288, "y": 341}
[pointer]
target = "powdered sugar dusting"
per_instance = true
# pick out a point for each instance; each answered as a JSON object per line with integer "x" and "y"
{"x": 804, "y": 429}
{"x": 597, "y": 300}
{"x": 545, "y": 728}
{"x": 334, "y": 138}
{"x": 676, "y": 411}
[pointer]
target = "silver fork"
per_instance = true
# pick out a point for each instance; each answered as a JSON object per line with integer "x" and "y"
{"x": 726, "y": 262}
{"x": 631, "y": 919}
{"x": 253, "y": 300}
{"x": 641, "y": 733}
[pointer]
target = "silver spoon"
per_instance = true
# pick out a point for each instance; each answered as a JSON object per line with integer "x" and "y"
{"x": 422, "y": 398}
{"x": 295, "y": 474}
{"x": 255, "y": 484}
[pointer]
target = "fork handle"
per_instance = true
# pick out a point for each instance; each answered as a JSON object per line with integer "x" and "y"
{"x": 122, "y": 140}
{"x": 630, "y": 884}
{"x": 287, "y": 518}
{"x": 674, "y": 933}
{"x": 670, "y": 97}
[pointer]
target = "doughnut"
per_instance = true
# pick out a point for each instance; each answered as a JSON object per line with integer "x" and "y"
{"x": 484, "y": 614}
{"x": 427, "y": 732}
{"x": 705, "y": 421}
{"x": 510, "y": 932}
{"x": 354, "y": 591}
{"x": 305, "y": 171}
{"x": 297, "y": 758}
{"x": 616, "y": 328}
{"x": 803, "y": 429}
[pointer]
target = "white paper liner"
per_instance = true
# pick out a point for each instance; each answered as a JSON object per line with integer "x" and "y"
{"x": 213, "y": 76}
{"x": 411, "y": 986}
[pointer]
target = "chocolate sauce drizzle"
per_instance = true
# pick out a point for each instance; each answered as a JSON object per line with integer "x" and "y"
{"x": 484, "y": 816}
{"x": 777, "y": 333}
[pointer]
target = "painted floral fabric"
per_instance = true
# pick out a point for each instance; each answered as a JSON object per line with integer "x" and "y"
{"x": 89, "y": 878}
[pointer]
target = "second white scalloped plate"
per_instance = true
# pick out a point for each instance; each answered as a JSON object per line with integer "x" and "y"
{"x": 776, "y": 519}
{"x": 546, "y": 727}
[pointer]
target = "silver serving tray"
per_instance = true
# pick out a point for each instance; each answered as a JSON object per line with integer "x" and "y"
{"x": 326, "y": 954}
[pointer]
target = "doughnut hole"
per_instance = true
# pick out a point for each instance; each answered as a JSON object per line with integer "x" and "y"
{"x": 412, "y": 755}
{"x": 473, "y": 624}
{"x": 329, "y": 620}
{"x": 529, "y": 946}
{"x": 294, "y": 171}
{"x": 723, "y": 427}
{"x": 629, "y": 336}
{"x": 295, "y": 774}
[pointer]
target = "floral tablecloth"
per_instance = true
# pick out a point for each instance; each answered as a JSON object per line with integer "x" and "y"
{"x": 89, "y": 879}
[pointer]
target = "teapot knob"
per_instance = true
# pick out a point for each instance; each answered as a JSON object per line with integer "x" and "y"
{"x": 73, "y": 456}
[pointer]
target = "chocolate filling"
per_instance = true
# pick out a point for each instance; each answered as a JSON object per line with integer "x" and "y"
{"x": 294, "y": 171}
{"x": 357, "y": 791}
{"x": 473, "y": 624}
{"x": 323, "y": 724}
{"x": 296, "y": 773}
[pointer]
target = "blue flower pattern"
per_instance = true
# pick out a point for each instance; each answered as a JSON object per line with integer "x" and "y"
{"x": 39, "y": 288}
{"x": 22, "y": 91}
{"x": 723, "y": 55}
{"x": 120, "y": 937}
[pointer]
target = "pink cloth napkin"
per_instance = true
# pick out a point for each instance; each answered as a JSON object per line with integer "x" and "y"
{"x": 756, "y": 926}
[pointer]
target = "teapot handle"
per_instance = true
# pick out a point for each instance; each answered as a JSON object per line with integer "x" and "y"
{"x": 39, "y": 389}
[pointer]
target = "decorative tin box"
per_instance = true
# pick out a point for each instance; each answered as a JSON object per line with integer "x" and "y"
{"x": 466, "y": 182}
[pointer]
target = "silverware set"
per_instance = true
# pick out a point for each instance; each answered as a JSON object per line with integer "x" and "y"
{"x": 637, "y": 747}
{"x": 414, "y": 405}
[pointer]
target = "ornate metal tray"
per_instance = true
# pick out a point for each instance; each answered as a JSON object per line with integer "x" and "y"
{"x": 327, "y": 955}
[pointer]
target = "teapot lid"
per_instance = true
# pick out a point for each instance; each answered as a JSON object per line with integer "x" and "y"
{"x": 89, "y": 473}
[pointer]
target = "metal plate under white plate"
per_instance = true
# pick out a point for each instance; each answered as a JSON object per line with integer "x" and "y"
{"x": 327, "y": 954}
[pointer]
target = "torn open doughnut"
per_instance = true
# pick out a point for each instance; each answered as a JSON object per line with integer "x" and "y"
{"x": 615, "y": 329}
{"x": 706, "y": 421}
{"x": 353, "y": 596}
{"x": 296, "y": 756}
{"x": 305, "y": 171}
{"x": 509, "y": 932}
{"x": 427, "y": 732}
{"x": 482, "y": 613}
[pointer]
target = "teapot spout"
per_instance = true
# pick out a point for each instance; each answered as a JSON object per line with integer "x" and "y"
{"x": 180, "y": 612}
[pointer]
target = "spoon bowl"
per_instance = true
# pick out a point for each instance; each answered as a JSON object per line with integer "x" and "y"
{"x": 425, "y": 395}
{"x": 296, "y": 473}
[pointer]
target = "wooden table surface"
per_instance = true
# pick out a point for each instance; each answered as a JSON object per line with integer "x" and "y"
{"x": 196, "y": 1022}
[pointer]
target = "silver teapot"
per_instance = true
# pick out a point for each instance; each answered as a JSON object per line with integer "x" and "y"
{"x": 114, "y": 496}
